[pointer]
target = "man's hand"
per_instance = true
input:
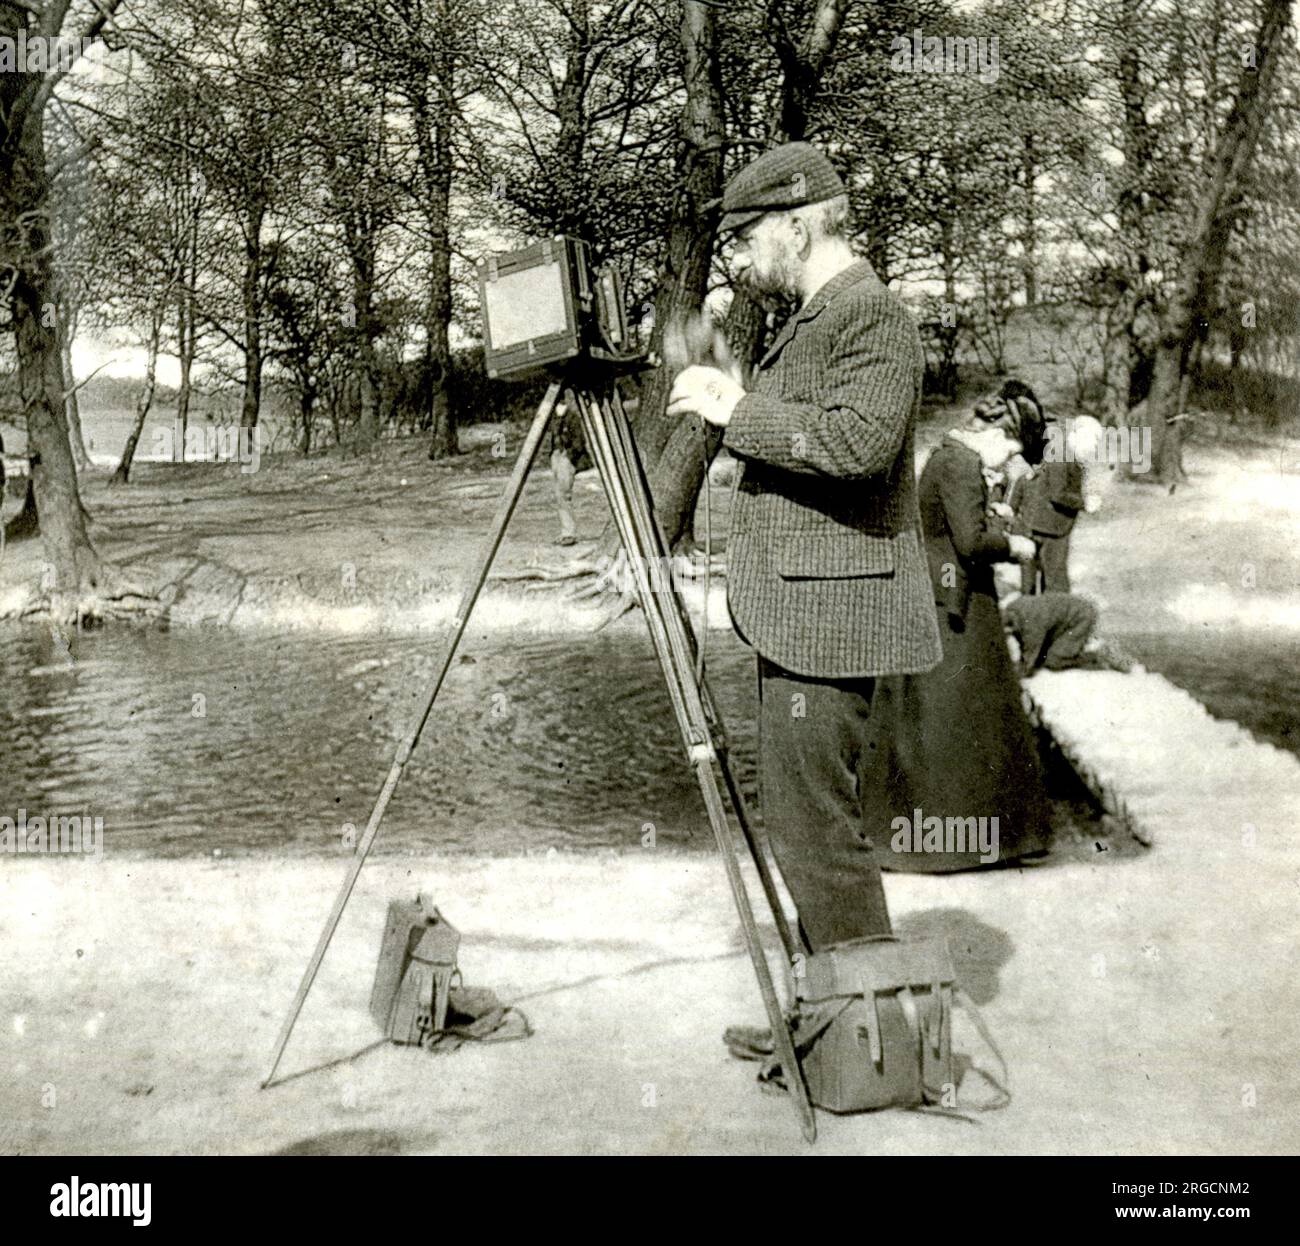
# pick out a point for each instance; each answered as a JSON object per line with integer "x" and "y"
{"x": 707, "y": 392}
{"x": 1001, "y": 510}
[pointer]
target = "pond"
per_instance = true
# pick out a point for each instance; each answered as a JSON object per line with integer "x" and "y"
{"x": 191, "y": 741}
{"x": 195, "y": 740}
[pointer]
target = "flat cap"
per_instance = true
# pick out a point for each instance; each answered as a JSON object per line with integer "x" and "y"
{"x": 790, "y": 176}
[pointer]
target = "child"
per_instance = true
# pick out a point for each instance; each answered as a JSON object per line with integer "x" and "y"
{"x": 1048, "y": 501}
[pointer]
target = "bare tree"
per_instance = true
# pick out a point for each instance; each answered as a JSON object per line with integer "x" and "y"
{"x": 247, "y": 127}
{"x": 1216, "y": 210}
{"x": 80, "y": 582}
{"x": 149, "y": 201}
{"x": 428, "y": 80}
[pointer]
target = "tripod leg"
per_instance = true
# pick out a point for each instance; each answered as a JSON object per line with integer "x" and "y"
{"x": 505, "y": 509}
{"x": 626, "y": 490}
{"x": 701, "y": 704}
{"x": 759, "y": 857}
{"x": 635, "y": 470}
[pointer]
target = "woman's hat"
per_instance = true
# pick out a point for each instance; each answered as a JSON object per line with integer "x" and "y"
{"x": 1021, "y": 420}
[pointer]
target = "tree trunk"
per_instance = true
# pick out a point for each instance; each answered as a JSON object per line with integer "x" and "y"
{"x": 74, "y": 567}
{"x": 436, "y": 160}
{"x": 802, "y": 67}
{"x": 1201, "y": 266}
{"x": 252, "y": 296}
{"x": 675, "y": 478}
{"x": 72, "y": 401}
{"x": 187, "y": 333}
{"x": 142, "y": 405}
{"x": 571, "y": 112}
{"x": 183, "y": 409}
{"x": 336, "y": 423}
{"x": 1138, "y": 142}
{"x": 1029, "y": 234}
{"x": 368, "y": 422}
{"x": 443, "y": 439}
{"x": 307, "y": 414}
{"x": 677, "y": 455}
{"x": 185, "y": 353}
{"x": 949, "y": 333}
{"x": 365, "y": 366}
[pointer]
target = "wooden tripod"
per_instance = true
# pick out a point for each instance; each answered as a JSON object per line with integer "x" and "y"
{"x": 609, "y": 438}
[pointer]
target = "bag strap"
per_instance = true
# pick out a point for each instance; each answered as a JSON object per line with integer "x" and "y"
{"x": 920, "y": 1036}
{"x": 934, "y": 1016}
{"x": 486, "y": 1029}
{"x": 1002, "y": 1087}
{"x": 812, "y": 1027}
{"x": 907, "y": 1002}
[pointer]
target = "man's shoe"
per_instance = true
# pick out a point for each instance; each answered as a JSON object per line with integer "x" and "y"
{"x": 1106, "y": 655}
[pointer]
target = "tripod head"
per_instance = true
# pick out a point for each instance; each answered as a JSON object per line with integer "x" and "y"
{"x": 546, "y": 308}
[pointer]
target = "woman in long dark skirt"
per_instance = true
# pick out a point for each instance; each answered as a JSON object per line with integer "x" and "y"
{"x": 952, "y": 748}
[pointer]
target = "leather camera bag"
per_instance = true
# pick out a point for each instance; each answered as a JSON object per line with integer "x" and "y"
{"x": 875, "y": 1026}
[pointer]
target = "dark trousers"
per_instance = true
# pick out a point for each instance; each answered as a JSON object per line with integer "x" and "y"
{"x": 814, "y": 735}
{"x": 1052, "y": 628}
{"x": 1052, "y": 563}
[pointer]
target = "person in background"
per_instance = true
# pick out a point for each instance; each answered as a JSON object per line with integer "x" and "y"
{"x": 568, "y": 457}
{"x": 955, "y": 742}
{"x": 1047, "y": 500}
{"x": 1052, "y": 630}
{"x": 1058, "y": 632}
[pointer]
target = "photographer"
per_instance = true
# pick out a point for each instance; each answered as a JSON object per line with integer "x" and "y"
{"x": 827, "y": 580}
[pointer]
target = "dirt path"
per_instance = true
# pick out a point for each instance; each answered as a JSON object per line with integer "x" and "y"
{"x": 1144, "y": 1008}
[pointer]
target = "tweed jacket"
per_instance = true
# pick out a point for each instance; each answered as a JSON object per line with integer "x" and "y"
{"x": 826, "y": 576}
